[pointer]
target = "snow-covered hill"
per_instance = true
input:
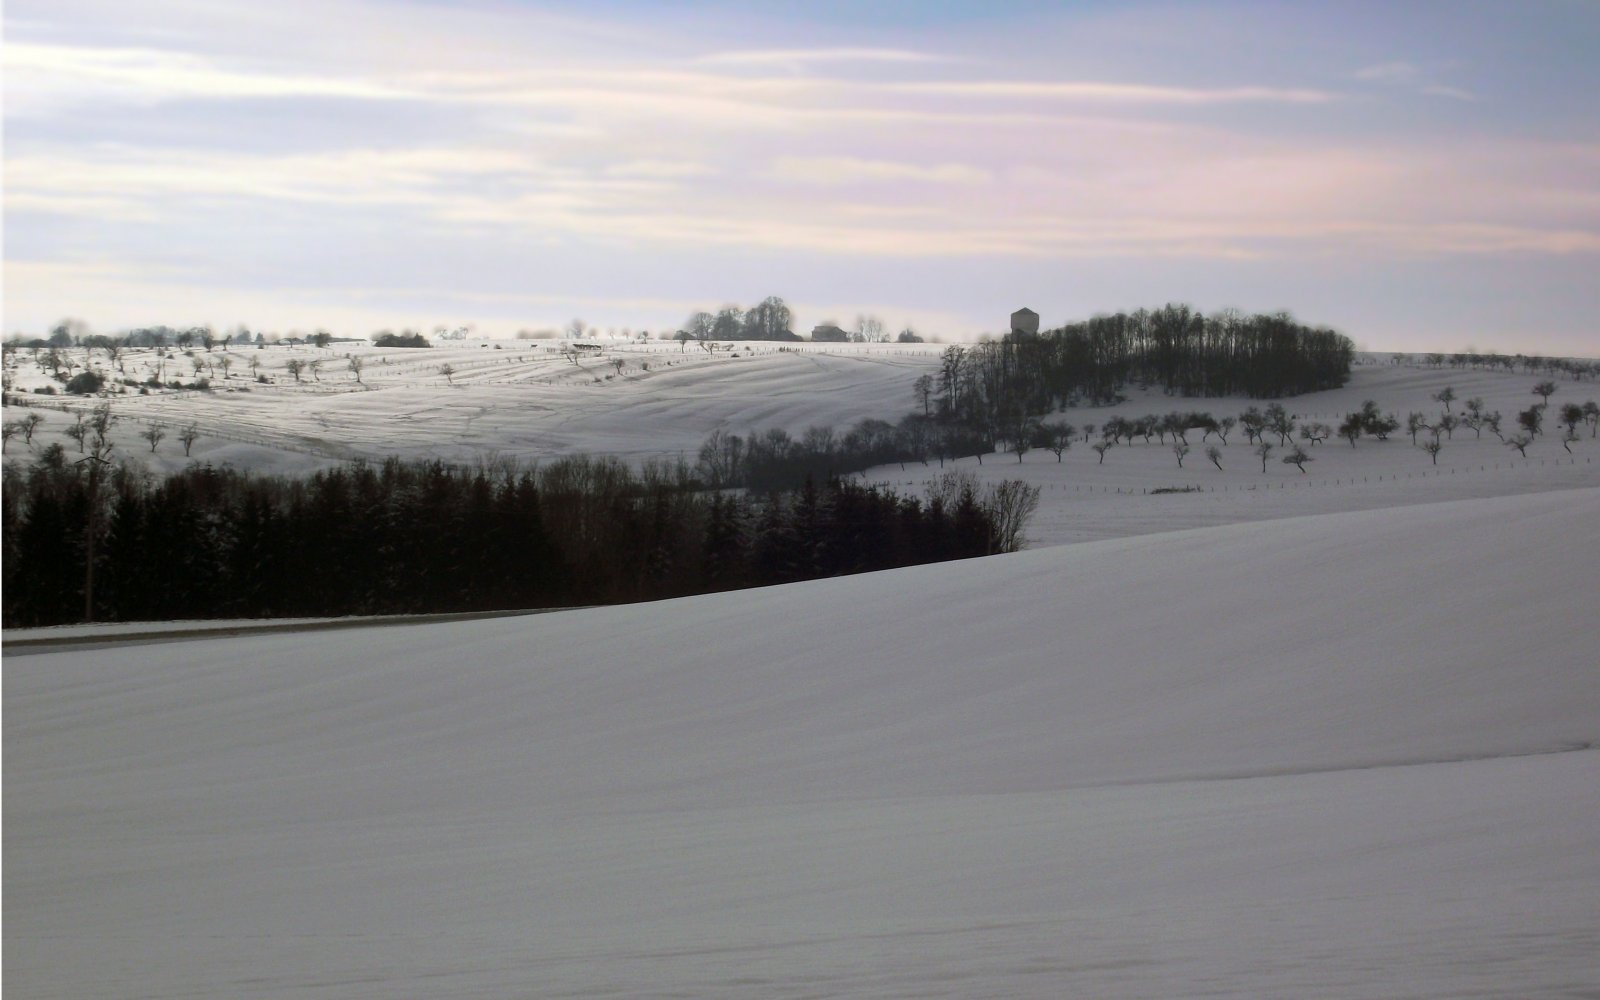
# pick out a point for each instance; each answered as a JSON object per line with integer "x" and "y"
{"x": 1348, "y": 756}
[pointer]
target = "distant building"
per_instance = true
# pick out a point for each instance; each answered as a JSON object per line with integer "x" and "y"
{"x": 1024, "y": 320}
{"x": 828, "y": 333}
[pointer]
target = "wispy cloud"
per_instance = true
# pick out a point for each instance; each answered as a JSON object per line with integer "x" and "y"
{"x": 849, "y": 170}
{"x": 802, "y": 57}
{"x": 1389, "y": 72}
{"x": 1117, "y": 93}
{"x": 52, "y": 75}
{"x": 1412, "y": 77}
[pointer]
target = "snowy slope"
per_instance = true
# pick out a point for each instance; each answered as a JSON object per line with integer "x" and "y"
{"x": 527, "y": 403}
{"x": 1342, "y": 756}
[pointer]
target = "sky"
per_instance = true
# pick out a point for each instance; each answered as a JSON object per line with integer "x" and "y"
{"x": 1419, "y": 176}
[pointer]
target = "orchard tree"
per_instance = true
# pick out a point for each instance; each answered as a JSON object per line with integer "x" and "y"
{"x": 1531, "y": 420}
{"x": 1447, "y": 423}
{"x": 1350, "y": 429}
{"x": 155, "y": 433}
{"x": 1433, "y": 446}
{"x": 295, "y": 367}
{"x": 1215, "y": 454}
{"x": 1279, "y": 422}
{"x": 1253, "y": 423}
{"x": 30, "y": 423}
{"x": 1520, "y": 442}
{"x": 1316, "y": 433}
{"x": 1179, "y": 449}
{"x": 1264, "y": 449}
{"x": 1569, "y": 439}
{"x": 448, "y": 372}
{"x": 79, "y": 431}
{"x": 1225, "y": 425}
{"x": 1544, "y": 390}
{"x": 8, "y": 430}
{"x": 1591, "y": 416}
{"x": 1297, "y": 458}
{"x": 1415, "y": 424}
{"x": 1056, "y": 436}
{"x": 1571, "y": 417}
{"x": 188, "y": 436}
{"x": 1492, "y": 421}
{"x": 1445, "y": 396}
{"x": 354, "y": 366}
{"x": 1101, "y": 447}
{"x": 1021, "y": 432}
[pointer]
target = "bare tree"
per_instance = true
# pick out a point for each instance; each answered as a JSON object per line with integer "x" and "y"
{"x": 79, "y": 431}
{"x": 728, "y": 324}
{"x": 1571, "y": 416}
{"x": 355, "y": 368}
{"x": 448, "y": 372}
{"x": 1264, "y": 449}
{"x": 1544, "y": 390}
{"x": 698, "y": 328}
{"x": 1056, "y": 436}
{"x": 155, "y": 433}
{"x": 1009, "y": 505}
{"x": 1416, "y": 423}
{"x": 29, "y": 424}
{"x": 1297, "y": 458}
{"x": 1101, "y": 447}
{"x": 295, "y": 367}
{"x": 869, "y": 330}
{"x": 923, "y": 387}
{"x": 1433, "y": 446}
{"x": 1279, "y": 422}
{"x": 8, "y": 430}
{"x": 1520, "y": 442}
{"x": 1445, "y": 396}
{"x": 1492, "y": 421}
{"x": 1180, "y": 449}
{"x": 1316, "y": 433}
{"x": 1215, "y": 454}
{"x": 188, "y": 436}
{"x": 1225, "y": 425}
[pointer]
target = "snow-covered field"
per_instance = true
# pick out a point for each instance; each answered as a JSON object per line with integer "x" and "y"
{"x": 1339, "y": 738}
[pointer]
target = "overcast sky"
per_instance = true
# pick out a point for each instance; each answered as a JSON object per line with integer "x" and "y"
{"x": 1416, "y": 175}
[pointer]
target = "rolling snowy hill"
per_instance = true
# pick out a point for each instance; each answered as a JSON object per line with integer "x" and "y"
{"x": 1350, "y": 755}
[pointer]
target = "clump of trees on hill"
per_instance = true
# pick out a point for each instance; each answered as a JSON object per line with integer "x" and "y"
{"x": 409, "y": 338}
{"x": 421, "y": 537}
{"x": 996, "y": 387}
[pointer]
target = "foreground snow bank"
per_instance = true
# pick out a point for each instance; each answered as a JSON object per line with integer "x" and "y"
{"x": 1305, "y": 756}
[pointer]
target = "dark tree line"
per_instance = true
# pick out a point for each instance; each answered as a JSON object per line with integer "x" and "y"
{"x": 427, "y": 537}
{"x": 1174, "y": 347}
